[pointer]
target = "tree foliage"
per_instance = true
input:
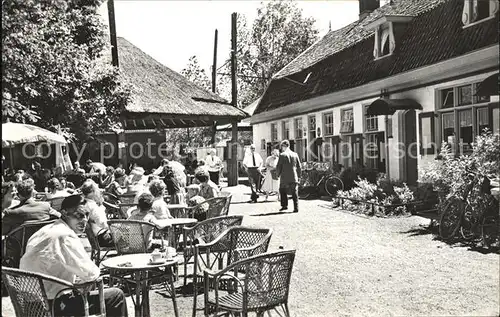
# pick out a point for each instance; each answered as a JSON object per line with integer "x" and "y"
{"x": 56, "y": 66}
{"x": 278, "y": 35}
{"x": 196, "y": 74}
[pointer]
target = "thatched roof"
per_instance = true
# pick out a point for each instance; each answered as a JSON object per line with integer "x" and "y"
{"x": 163, "y": 97}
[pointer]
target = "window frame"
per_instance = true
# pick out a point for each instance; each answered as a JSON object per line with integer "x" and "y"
{"x": 299, "y": 132}
{"x": 274, "y": 132}
{"x": 343, "y": 123}
{"x": 285, "y": 129}
{"x": 328, "y": 127}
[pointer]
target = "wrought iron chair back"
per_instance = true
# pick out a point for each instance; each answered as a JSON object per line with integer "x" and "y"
{"x": 15, "y": 242}
{"x": 233, "y": 244}
{"x": 204, "y": 232}
{"x": 126, "y": 198}
{"x": 95, "y": 253}
{"x": 228, "y": 201}
{"x": 264, "y": 286}
{"x": 131, "y": 236}
{"x": 29, "y": 298}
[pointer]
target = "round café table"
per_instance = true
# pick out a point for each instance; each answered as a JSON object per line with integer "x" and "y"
{"x": 143, "y": 272}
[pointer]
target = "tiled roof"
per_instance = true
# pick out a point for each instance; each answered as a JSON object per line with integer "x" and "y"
{"x": 344, "y": 58}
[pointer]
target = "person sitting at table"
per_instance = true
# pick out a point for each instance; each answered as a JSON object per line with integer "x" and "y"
{"x": 8, "y": 193}
{"x": 108, "y": 178}
{"x": 115, "y": 187}
{"x": 208, "y": 189}
{"x": 160, "y": 207}
{"x": 56, "y": 250}
{"x": 172, "y": 184}
{"x": 143, "y": 212}
{"x": 136, "y": 180}
{"x": 97, "y": 219}
{"x": 28, "y": 208}
{"x": 76, "y": 175}
{"x": 56, "y": 189}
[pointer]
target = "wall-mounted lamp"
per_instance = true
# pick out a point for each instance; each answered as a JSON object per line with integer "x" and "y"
{"x": 318, "y": 132}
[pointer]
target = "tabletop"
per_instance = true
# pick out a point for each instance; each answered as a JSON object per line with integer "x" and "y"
{"x": 138, "y": 261}
{"x": 176, "y": 206}
{"x": 164, "y": 223}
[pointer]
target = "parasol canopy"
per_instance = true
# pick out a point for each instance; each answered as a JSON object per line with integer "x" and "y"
{"x": 18, "y": 133}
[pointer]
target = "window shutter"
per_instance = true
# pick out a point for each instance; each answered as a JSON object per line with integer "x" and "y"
{"x": 426, "y": 131}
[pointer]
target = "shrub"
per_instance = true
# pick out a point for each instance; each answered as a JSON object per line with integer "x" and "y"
{"x": 348, "y": 177}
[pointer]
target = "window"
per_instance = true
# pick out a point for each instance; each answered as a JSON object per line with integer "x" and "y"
{"x": 384, "y": 41}
{"x": 427, "y": 137}
{"x": 371, "y": 122}
{"x": 286, "y": 130}
{"x": 347, "y": 121}
{"x": 464, "y": 95}
{"x": 328, "y": 123}
{"x": 299, "y": 129}
{"x": 447, "y": 98}
{"x": 312, "y": 123}
{"x": 478, "y": 10}
{"x": 274, "y": 132}
{"x": 463, "y": 115}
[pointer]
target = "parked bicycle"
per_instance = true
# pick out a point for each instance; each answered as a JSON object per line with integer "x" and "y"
{"x": 477, "y": 218}
{"x": 315, "y": 181}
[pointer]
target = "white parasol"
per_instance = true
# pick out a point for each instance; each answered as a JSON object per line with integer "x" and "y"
{"x": 18, "y": 133}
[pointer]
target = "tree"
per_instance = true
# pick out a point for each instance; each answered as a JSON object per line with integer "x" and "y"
{"x": 194, "y": 73}
{"x": 277, "y": 36}
{"x": 56, "y": 67}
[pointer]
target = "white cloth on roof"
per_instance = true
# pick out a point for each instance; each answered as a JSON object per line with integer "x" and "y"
{"x": 56, "y": 250}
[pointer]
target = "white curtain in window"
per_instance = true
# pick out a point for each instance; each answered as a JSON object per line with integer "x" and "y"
{"x": 466, "y": 118}
{"x": 482, "y": 116}
{"x": 448, "y": 121}
{"x": 385, "y": 39}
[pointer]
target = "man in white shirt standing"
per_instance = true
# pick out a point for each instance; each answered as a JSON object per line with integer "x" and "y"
{"x": 214, "y": 164}
{"x": 57, "y": 250}
{"x": 253, "y": 164}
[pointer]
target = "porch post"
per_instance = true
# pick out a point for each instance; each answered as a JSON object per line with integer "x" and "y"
{"x": 387, "y": 172}
{"x": 232, "y": 166}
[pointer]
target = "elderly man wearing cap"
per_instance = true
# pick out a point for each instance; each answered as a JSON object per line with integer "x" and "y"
{"x": 57, "y": 250}
{"x": 253, "y": 164}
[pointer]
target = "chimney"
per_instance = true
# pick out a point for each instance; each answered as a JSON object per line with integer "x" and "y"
{"x": 366, "y": 7}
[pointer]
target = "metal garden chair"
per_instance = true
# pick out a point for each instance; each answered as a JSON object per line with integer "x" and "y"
{"x": 232, "y": 245}
{"x": 95, "y": 253}
{"x": 264, "y": 286}
{"x": 204, "y": 232}
{"x": 14, "y": 244}
{"x": 29, "y": 298}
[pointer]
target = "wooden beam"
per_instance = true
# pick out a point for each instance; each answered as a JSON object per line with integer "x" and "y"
{"x": 125, "y": 123}
{"x": 173, "y": 122}
{"x": 144, "y": 123}
{"x": 154, "y": 122}
{"x": 183, "y": 122}
{"x": 163, "y": 123}
{"x": 135, "y": 124}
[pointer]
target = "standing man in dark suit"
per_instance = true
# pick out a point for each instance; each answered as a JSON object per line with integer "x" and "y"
{"x": 252, "y": 162}
{"x": 288, "y": 170}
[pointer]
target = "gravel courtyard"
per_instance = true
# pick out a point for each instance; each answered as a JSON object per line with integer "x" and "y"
{"x": 350, "y": 265}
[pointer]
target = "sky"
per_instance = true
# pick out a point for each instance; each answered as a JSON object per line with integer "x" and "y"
{"x": 173, "y": 31}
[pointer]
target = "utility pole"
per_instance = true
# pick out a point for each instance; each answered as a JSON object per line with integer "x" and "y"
{"x": 112, "y": 32}
{"x": 214, "y": 82}
{"x": 232, "y": 176}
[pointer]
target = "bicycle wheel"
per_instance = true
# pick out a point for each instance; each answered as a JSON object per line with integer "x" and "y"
{"x": 450, "y": 219}
{"x": 490, "y": 228}
{"x": 332, "y": 185}
{"x": 469, "y": 223}
{"x": 304, "y": 192}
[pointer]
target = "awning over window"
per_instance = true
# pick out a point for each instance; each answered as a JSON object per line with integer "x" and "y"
{"x": 389, "y": 106}
{"x": 488, "y": 87}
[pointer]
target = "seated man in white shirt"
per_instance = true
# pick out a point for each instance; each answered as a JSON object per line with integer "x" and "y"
{"x": 98, "y": 220}
{"x": 57, "y": 250}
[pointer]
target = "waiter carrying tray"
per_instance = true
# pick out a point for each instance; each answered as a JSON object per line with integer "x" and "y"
{"x": 253, "y": 165}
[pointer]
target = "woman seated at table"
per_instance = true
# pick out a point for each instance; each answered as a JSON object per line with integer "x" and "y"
{"x": 208, "y": 189}
{"x": 116, "y": 185}
{"x": 56, "y": 189}
{"x": 97, "y": 218}
{"x": 109, "y": 177}
{"x": 136, "y": 180}
{"x": 160, "y": 207}
{"x": 144, "y": 212}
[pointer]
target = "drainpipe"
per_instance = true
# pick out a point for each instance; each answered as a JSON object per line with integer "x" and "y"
{"x": 387, "y": 171}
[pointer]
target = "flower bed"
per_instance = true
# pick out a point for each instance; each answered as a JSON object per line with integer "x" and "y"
{"x": 384, "y": 198}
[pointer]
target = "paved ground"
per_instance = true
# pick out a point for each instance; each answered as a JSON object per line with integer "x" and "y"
{"x": 350, "y": 265}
